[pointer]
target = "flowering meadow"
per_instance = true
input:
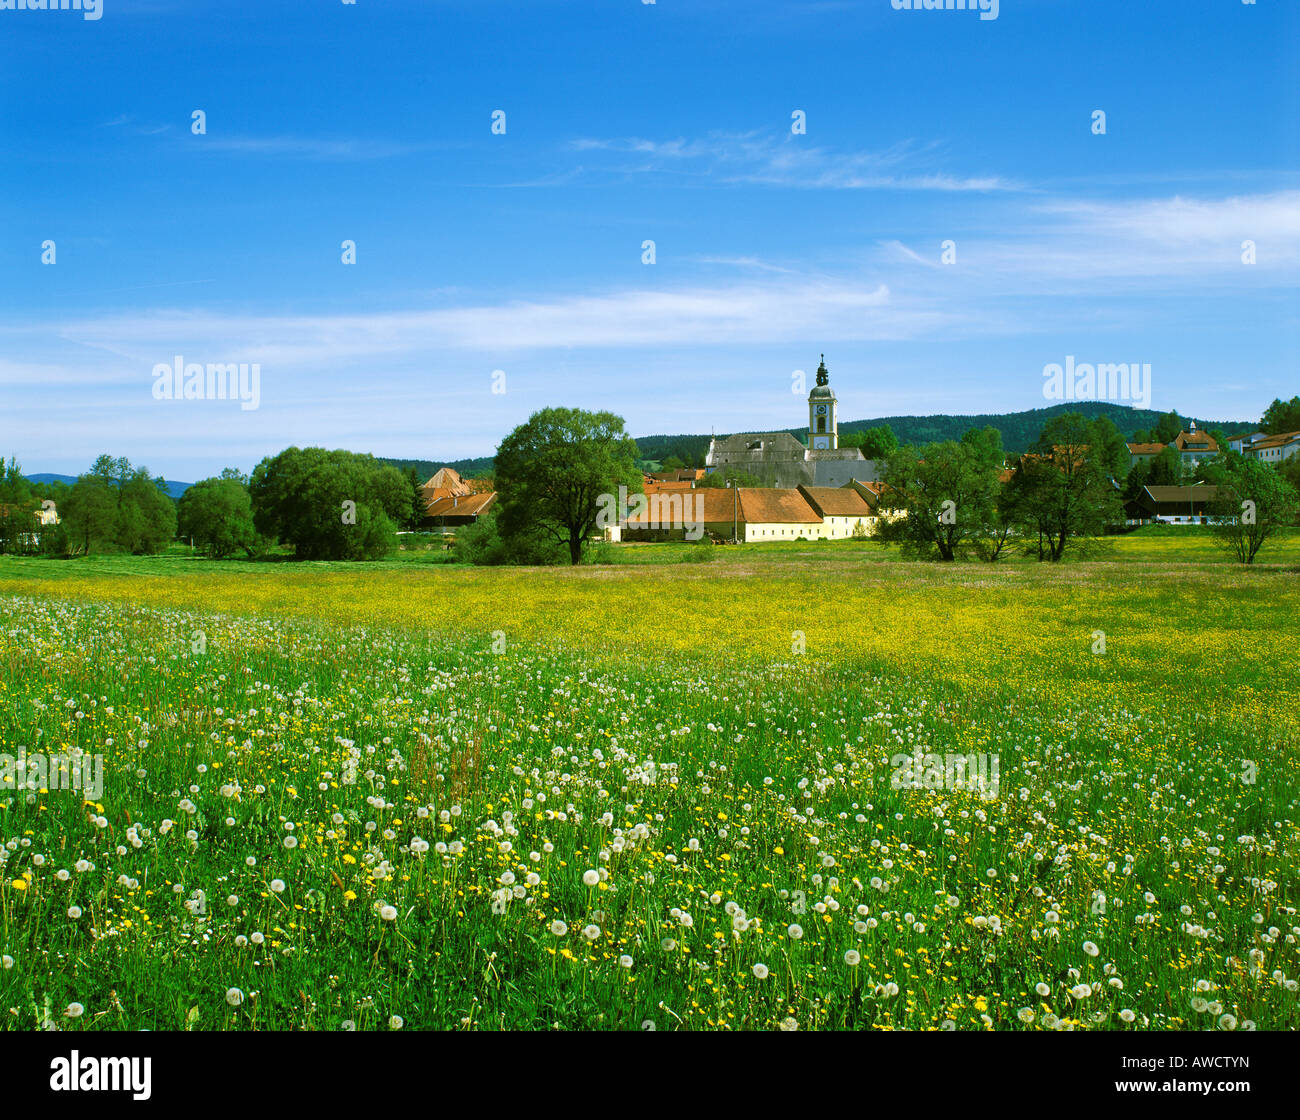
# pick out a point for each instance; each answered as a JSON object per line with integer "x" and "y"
{"x": 655, "y": 796}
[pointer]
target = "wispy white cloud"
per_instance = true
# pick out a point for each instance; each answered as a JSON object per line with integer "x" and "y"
{"x": 774, "y": 310}
{"x": 899, "y": 291}
{"x": 1154, "y": 245}
{"x": 312, "y": 147}
{"x": 788, "y": 161}
{"x": 1184, "y": 221}
{"x": 751, "y": 263}
{"x": 903, "y": 252}
{"x": 300, "y": 147}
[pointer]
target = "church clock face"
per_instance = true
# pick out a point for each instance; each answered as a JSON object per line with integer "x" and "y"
{"x": 821, "y": 410}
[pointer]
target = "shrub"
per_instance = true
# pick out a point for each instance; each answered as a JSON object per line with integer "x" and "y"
{"x": 699, "y": 553}
{"x": 483, "y": 544}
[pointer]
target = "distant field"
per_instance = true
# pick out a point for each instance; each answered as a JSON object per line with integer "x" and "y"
{"x": 715, "y": 741}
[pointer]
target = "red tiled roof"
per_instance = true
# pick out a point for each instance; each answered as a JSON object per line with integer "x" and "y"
{"x": 1279, "y": 440}
{"x": 446, "y": 483}
{"x": 467, "y": 505}
{"x": 836, "y": 501}
{"x": 748, "y": 505}
{"x": 1195, "y": 441}
{"x": 677, "y": 505}
{"x": 763, "y": 506}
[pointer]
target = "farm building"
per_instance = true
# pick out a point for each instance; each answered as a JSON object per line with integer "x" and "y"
{"x": 756, "y": 514}
{"x": 458, "y": 509}
{"x": 843, "y": 510}
{"x": 1171, "y": 505}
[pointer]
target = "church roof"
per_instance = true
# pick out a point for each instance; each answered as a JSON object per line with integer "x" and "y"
{"x": 757, "y": 444}
{"x": 1195, "y": 441}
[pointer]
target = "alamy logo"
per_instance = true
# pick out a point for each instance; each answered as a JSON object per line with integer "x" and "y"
{"x": 1106, "y": 381}
{"x": 32, "y": 772}
{"x": 89, "y": 9}
{"x": 988, "y": 9}
{"x": 654, "y": 511}
{"x": 217, "y": 381}
{"x": 101, "y": 1075}
{"x": 969, "y": 773}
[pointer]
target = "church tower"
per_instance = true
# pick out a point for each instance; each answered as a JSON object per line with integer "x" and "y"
{"x": 823, "y": 423}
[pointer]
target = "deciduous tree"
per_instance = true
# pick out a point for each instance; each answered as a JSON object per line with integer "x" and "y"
{"x": 330, "y": 505}
{"x": 217, "y": 514}
{"x": 949, "y": 491}
{"x": 1253, "y": 502}
{"x": 552, "y": 470}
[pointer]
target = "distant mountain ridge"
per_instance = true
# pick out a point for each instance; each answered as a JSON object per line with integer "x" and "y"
{"x": 174, "y": 489}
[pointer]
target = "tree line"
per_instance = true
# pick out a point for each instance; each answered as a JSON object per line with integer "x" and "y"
{"x": 324, "y": 505}
{"x": 960, "y": 497}
{"x": 965, "y": 498}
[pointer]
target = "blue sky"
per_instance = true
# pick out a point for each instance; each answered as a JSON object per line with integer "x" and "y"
{"x": 628, "y": 122}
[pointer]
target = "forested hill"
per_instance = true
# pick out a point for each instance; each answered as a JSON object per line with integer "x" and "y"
{"x": 425, "y": 468}
{"x": 1019, "y": 430}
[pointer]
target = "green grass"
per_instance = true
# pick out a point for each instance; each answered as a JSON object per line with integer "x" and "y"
{"x": 713, "y": 740}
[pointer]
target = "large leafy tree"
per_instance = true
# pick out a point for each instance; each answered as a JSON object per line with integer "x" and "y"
{"x": 90, "y": 515}
{"x": 1253, "y": 502}
{"x": 1062, "y": 487}
{"x": 1290, "y": 470}
{"x": 14, "y": 487}
{"x": 986, "y": 444}
{"x": 1109, "y": 447}
{"x": 1167, "y": 427}
{"x": 146, "y": 514}
{"x": 217, "y": 514}
{"x": 876, "y": 443}
{"x": 1166, "y": 469}
{"x": 1282, "y": 416}
{"x": 117, "y": 507}
{"x": 330, "y": 505}
{"x": 419, "y": 504}
{"x": 17, "y": 503}
{"x": 950, "y": 493}
{"x": 1208, "y": 470}
{"x": 553, "y": 469}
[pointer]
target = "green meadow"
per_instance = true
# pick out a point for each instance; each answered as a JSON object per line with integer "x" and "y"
{"x": 788, "y": 786}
